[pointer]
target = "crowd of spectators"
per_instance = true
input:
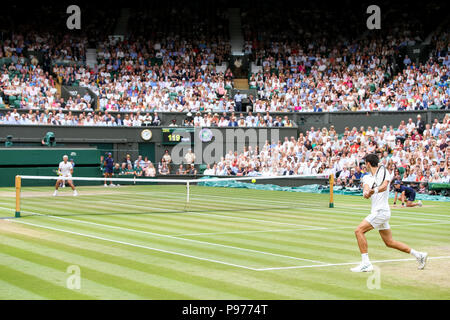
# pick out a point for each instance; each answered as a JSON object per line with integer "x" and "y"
{"x": 412, "y": 152}
{"x": 90, "y": 117}
{"x": 180, "y": 65}
{"x": 304, "y": 66}
{"x": 143, "y": 167}
{"x": 233, "y": 120}
{"x": 86, "y": 118}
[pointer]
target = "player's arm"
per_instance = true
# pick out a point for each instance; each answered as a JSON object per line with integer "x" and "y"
{"x": 367, "y": 191}
{"x": 384, "y": 186}
{"x": 403, "y": 198}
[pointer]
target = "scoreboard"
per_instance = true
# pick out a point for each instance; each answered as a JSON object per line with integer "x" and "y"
{"x": 176, "y": 135}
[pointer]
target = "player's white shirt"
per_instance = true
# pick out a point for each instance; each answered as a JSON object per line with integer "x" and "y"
{"x": 380, "y": 200}
{"x": 65, "y": 168}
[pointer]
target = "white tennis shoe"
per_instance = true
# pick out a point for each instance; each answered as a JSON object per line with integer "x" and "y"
{"x": 55, "y": 193}
{"x": 363, "y": 267}
{"x": 422, "y": 260}
{"x": 75, "y": 193}
{"x": 420, "y": 203}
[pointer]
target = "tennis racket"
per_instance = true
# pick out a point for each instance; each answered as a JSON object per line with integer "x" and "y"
{"x": 380, "y": 176}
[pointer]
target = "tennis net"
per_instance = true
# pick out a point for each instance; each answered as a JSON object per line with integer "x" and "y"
{"x": 35, "y": 195}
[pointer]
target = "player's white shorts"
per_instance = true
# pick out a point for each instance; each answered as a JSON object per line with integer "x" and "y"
{"x": 379, "y": 219}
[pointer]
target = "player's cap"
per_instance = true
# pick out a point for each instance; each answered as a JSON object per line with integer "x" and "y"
{"x": 397, "y": 182}
{"x": 109, "y": 154}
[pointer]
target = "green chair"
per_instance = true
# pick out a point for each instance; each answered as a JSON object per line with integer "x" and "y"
{"x": 202, "y": 168}
{"x": 8, "y": 142}
{"x": 402, "y": 171}
{"x": 49, "y": 139}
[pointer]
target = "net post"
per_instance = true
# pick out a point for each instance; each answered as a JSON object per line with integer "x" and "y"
{"x": 331, "y": 178}
{"x": 187, "y": 192}
{"x": 18, "y": 184}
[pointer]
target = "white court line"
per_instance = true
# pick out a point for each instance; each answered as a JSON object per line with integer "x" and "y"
{"x": 211, "y": 260}
{"x": 177, "y": 238}
{"x": 266, "y": 221}
{"x": 205, "y": 259}
{"x": 135, "y": 245}
{"x": 300, "y": 229}
{"x": 198, "y": 213}
{"x": 312, "y": 208}
{"x": 261, "y": 220}
{"x": 362, "y": 206}
{"x": 344, "y": 264}
{"x": 244, "y": 200}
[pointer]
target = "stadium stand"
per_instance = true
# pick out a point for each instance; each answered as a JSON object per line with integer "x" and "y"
{"x": 160, "y": 65}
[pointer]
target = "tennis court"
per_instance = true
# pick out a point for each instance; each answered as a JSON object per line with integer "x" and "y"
{"x": 145, "y": 242}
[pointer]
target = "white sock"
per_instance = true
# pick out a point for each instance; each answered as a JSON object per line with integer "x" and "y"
{"x": 365, "y": 258}
{"x": 415, "y": 253}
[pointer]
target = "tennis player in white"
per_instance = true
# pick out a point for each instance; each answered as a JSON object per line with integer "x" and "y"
{"x": 65, "y": 170}
{"x": 379, "y": 216}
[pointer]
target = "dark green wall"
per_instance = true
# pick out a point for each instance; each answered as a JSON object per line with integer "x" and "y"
{"x": 44, "y": 162}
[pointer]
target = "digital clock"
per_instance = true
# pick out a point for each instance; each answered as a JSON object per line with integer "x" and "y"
{"x": 177, "y": 135}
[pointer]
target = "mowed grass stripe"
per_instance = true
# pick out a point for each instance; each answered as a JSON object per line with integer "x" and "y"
{"x": 307, "y": 257}
{"x": 237, "y": 255}
{"x": 225, "y": 274}
{"x": 192, "y": 219}
{"x": 173, "y": 224}
{"x": 214, "y": 255}
{"x": 262, "y": 247}
{"x": 195, "y": 281}
{"x": 253, "y": 248}
{"x": 54, "y": 272}
{"x": 92, "y": 206}
{"x": 37, "y": 285}
{"x": 312, "y": 283}
{"x": 105, "y": 277}
{"x": 311, "y": 209}
{"x": 322, "y": 209}
{"x": 9, "y": 291}
{"x": 287, "y": 252}
{"x": 95, "y": 267}
{"x": 165, "y": 217}
{"x": 363, "y": 203}
{"x": 333, "y": 245}
{"x": 315, "y": 246}
{"x": 226, "y": 192}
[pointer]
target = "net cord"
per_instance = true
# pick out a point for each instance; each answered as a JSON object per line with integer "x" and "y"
{"x": 179, "y": 181}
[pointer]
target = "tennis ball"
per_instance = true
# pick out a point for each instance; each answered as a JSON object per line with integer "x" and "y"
{"x": 253, "y": 180}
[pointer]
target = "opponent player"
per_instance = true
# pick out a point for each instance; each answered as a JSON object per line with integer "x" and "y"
{"x": 65, "y": 170}
{"x": 109, "y": 168}
{"x": 405, "y": 192}
{"x": 379, "y": 218}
